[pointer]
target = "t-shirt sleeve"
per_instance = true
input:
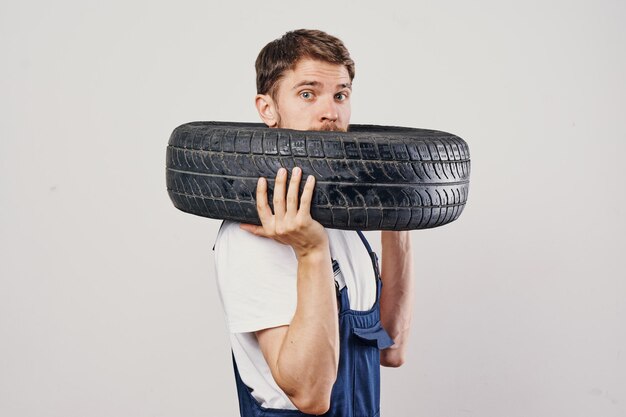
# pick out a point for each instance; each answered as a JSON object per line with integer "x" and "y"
{"x": 256, "y": 279}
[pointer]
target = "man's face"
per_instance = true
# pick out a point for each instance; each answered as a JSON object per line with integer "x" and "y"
{"x": 315, "y": 95}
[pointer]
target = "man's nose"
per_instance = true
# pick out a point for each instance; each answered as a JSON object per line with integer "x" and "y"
{"x": 329, "y": 111}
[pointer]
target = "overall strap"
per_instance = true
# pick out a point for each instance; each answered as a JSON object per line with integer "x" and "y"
{"x": 218, "y": 232}
{"x": 335, "y": 272}
{"x": 373, "y": 255}
{"x": 365, "y": 242}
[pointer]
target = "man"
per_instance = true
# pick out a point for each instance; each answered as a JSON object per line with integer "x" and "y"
{"x": 304, "y": 304}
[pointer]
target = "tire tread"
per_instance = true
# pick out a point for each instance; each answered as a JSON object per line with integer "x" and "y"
{"x": 367, "y": 180}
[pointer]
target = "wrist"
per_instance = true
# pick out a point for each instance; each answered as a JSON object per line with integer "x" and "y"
{"x": 314, "y": 248}
{"x": 313, "y": 253}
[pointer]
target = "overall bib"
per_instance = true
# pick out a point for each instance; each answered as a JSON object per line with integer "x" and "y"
{"x": 356, "y": 392}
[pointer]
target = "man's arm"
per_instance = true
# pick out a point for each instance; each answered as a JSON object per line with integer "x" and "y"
{"x": 304, "y": 356}
{"x": 396, "y": 299}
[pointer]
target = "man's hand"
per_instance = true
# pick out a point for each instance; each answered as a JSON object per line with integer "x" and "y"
{"x": 289, "y": 224}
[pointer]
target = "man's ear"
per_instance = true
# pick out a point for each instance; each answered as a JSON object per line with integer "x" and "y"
{"x": 267, "y": 109}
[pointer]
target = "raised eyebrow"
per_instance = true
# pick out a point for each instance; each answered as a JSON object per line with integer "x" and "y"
{"x": 317, "y": 84}
{"x": 303, "y": 83}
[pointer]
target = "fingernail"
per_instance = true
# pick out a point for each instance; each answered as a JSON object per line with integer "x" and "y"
{"x": 296, "y": 170}
{"x": 281, "y": 172}
{"x": 309, "y": 178}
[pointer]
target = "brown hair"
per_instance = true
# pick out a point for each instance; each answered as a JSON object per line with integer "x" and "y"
{"x": 284, "y": 53}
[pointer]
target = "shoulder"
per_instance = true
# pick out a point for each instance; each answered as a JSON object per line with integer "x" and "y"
{"x": 232, "y": 239}
{"x": 239, "y": 255}
{"x": 256, "y": 279}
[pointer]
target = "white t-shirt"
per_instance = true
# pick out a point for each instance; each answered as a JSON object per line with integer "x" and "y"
{"x": 256, "y": 279}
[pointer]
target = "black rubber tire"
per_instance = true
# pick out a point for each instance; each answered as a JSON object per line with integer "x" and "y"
{"x": 370, "y": 178}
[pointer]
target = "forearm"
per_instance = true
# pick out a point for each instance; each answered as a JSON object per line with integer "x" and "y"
{"x": 396, "y": 301}
{"x": 309, "y": 355}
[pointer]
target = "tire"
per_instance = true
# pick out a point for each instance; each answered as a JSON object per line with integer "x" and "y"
{"x": 370, "y": 178}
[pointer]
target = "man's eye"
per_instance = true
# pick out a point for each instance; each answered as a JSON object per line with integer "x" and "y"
{"x": 306, "y": 95}
{"x": 341, "y": 96}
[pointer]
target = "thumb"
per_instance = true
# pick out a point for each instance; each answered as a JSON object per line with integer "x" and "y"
{"x": 254, "y": 229}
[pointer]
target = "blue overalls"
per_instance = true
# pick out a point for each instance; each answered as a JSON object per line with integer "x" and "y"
{"x": 356, "y": 392}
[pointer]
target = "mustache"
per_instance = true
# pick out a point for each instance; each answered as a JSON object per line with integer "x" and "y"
{"x": 331, "y": 127}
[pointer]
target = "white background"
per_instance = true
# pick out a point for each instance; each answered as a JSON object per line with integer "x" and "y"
{"x": 108, "y": 303}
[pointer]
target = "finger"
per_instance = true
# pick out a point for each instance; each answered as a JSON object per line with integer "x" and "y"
{"x": 262, "y": 207}
{"x": 279, "y": 194}
{"x": 307, "y": 195}
{"x": 292, "y": 192}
